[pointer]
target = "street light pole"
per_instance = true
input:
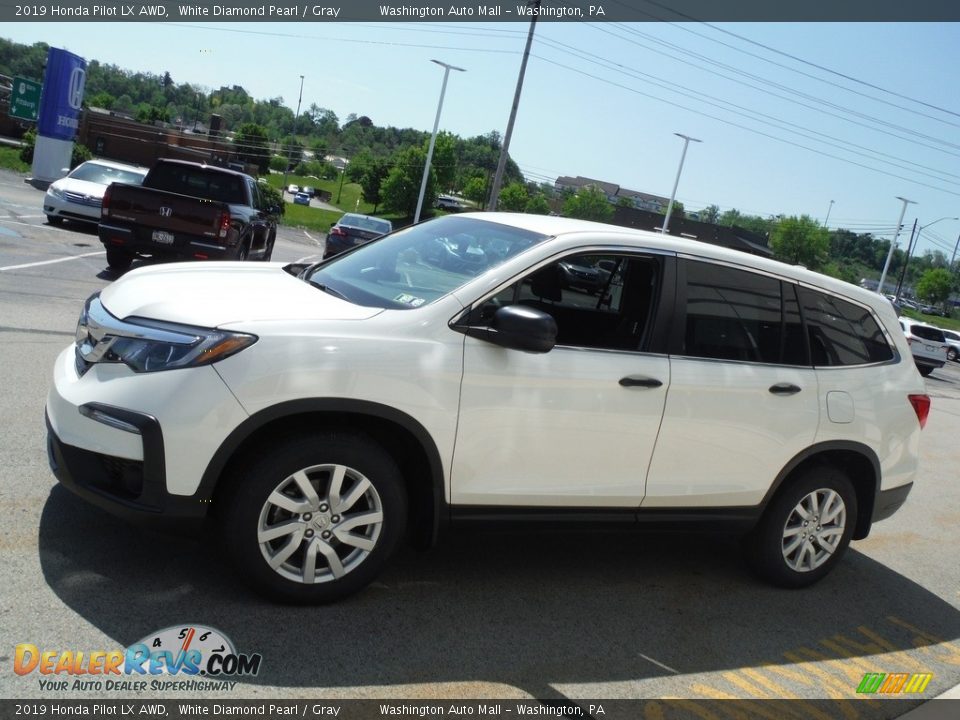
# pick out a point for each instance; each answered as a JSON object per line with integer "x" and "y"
{"x": 893, "y": 243}
{"x": 286, "y": 167}
{"x": 673, "y": 196}
{"x": 433, "y": 138}
{"x": 827, "y": 218}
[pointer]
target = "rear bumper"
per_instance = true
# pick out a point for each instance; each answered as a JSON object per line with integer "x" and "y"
{"x": 889, "y": 501}
{"x": 184, "y": 246}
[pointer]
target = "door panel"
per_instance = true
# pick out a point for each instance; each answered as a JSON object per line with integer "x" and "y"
{"x": 555, "y": 429}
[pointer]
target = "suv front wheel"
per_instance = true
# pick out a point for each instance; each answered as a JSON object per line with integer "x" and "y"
{"x": 315, "y": 519}
{"x": 805, "y": 529}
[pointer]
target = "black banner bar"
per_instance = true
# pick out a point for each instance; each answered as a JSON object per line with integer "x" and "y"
{"x": 293, "y": 11}
{"x": 675, "y": 709}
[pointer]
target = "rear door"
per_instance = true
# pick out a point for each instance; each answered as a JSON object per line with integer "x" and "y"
{"x": 743, "y": 397}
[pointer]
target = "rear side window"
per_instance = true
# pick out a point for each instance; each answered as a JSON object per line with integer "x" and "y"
{"x": 842, "y": 333}
{"x": 733, "y": 314}
{"x": 927, "y": 333}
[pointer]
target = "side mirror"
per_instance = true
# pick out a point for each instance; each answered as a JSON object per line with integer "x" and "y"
{"x": 518, "y": 327}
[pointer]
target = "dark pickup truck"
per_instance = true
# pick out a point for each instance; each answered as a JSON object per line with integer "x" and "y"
{"x": 189, "y": 211}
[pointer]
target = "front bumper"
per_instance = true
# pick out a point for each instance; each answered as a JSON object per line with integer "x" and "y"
{"x": 134, "y": 490}
{"x": 135, "y": 444}
{"x": 85, "y": 211}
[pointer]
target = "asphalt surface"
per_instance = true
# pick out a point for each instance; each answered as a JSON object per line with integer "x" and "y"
{"x": 488, "y": 614}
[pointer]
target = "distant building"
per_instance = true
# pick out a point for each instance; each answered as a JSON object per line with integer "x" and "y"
{"x": 613, "y": 192}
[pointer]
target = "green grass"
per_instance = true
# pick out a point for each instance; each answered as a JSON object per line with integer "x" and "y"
{"x": 942, "y": 322}
{"x": 10, "y": 159}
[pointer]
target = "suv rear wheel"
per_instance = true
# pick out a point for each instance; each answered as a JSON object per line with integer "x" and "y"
{"x": 315, "y": 519}
{"x": 805, "y": 529}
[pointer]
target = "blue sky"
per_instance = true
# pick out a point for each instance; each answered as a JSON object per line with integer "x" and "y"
{"x": 780, "y": 134}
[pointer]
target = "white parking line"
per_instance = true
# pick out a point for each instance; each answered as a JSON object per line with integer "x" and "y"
{"x": 660, "y": 664}
{"x": 50, "y": 262}
{"x": 312, "y": 238}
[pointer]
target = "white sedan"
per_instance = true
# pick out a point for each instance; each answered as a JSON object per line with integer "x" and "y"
{"x": 78, "y": 195}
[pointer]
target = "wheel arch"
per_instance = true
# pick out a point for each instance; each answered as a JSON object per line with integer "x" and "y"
{"x": 400, "y": 434}
{"x": 857, "y": 460}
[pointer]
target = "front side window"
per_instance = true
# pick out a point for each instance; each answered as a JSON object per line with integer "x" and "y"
{"x": 421, "y": 263}
{"x": 598, "y": 300}
{"x": 734, "y": 314}
{"x": 842, "y": 333}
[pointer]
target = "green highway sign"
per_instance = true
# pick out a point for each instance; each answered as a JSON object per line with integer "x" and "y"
{"x": 25, "y": 99}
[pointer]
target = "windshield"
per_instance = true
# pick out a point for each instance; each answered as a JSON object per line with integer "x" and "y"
{"x": 419, "y": 264}
{"x": 104, "y": 174}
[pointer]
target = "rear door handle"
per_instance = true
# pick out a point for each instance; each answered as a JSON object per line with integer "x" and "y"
{"x": 784, "y": 389}
{"x": 640, "y": 382}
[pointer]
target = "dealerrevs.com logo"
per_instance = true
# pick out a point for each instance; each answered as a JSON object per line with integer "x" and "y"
{"x": 171, "y": 659}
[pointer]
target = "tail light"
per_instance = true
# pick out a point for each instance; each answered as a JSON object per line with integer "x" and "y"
{"x": 921, "y": 406}
{"x": 105, "y": 203}
{"x": 224, "y": 223}
{"x": 338, "y": 231}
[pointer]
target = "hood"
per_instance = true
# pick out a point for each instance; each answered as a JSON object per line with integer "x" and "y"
{"x": 211, "y": 294}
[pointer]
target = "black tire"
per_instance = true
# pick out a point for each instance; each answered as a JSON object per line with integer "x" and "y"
{"x": 118, "y": 259}
{"x": 268, "y": 250}
{"x": 782, "y": 526}
{"x": 952, "y": 354}
{"x": 54, "y": 220}
{"x": 369, "y": 479}
{"x": 243, "y": 252}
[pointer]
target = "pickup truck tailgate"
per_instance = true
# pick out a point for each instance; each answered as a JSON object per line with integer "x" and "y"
{"x": 165, "y": 218}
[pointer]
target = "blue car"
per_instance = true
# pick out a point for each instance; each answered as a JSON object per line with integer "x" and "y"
{"x": 301, "y": 198}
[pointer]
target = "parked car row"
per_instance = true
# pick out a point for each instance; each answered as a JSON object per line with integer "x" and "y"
{"x": 79, "y": 195}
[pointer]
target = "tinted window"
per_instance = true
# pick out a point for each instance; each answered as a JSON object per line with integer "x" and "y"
{"x": 197, "y": 182}
{"x": 842, "y": 333}
{"x": 598, "y": 301}
{"x": 927, "y": 333}
{"x": 738, "y": 315}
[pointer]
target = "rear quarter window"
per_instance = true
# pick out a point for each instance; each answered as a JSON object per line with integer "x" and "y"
{"x": 928, "y": 333}
{"x": 841, "y": 332}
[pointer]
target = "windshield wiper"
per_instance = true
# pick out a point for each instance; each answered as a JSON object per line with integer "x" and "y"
{"x": 329, "y": 290}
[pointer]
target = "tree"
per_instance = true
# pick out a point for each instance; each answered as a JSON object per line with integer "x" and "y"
{"x": 537, "y": 205}
{"x": 513, "y": 198}
{"x": 588, "y": 204}
{"x": 475, "y": 189}
{"x": 252, "y": 146}
{"x": 400, "y": 190}
{"x": 625, "y": 202}
{"x": 372, "y": 179}
{"x": 710, "y": 214}
{"x": 934, "y": 286}
{"x": 800, "y": 241}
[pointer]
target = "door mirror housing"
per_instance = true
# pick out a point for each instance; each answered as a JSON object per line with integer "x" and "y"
{"x": 518, "y": 327}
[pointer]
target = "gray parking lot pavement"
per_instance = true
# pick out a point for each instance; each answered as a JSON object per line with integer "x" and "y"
{"x": 491, "y": 613}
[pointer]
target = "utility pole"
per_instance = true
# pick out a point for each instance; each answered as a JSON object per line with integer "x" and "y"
{"x": 673, "y": 196}
{"x": 903, "y": 270}
{"x": 827, "y": 218}
{"x": 505, "y": 146}
{"x": 283, "y": 186}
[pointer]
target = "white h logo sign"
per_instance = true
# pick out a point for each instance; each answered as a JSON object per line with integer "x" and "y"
{"x": 78, "y": 77}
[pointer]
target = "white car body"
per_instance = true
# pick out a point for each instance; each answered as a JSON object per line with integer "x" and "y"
{"x": 504, "y": 429}
{"x": 75, "y": 198}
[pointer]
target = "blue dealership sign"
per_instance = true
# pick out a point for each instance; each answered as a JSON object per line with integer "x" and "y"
{"x": 62, "y": 96}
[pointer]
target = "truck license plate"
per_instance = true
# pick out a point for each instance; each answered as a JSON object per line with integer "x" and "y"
{"x": 163, "y": 237}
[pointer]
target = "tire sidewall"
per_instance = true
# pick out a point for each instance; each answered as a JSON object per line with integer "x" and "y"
{"x": 764, "y": 545}
{"x": 256, "y": 478}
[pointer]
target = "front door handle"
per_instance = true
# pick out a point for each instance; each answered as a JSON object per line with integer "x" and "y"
{"x": 784, "y": 389}
{"x": 640, "y": 382}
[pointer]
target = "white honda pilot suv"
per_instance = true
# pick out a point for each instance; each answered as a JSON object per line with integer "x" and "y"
{"x": 446, "y": 373}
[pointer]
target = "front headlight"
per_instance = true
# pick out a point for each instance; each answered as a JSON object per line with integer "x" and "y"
{"x": 150, "y": 345}
{"x": 55, "y": 192}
